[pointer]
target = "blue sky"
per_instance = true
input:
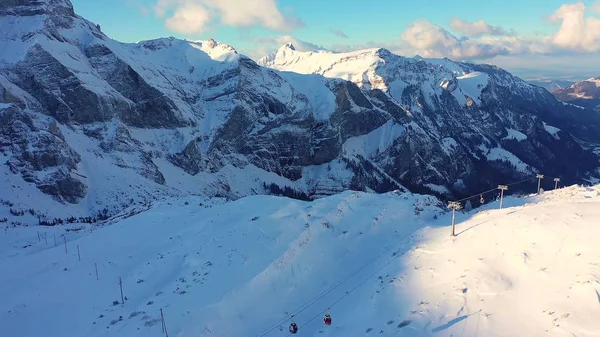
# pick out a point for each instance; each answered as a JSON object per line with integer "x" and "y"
{"x": 515, "y": 34}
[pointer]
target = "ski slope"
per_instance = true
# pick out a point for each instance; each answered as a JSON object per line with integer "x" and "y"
{"x": 385, "y": 264}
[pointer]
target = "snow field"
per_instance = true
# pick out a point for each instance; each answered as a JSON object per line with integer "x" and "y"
{"x": 385, "y": 264}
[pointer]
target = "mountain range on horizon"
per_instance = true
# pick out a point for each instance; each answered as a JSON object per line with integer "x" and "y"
{"x": 91, "y": 125}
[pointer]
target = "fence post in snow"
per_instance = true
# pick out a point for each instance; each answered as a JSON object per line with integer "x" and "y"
{"x": 502, "y": 189}
{"x": 164, "y": 324}
{"x": 454, "y": 206}
{"x": 539, "y": 177}
{"x": 78, "y": 253}
{"x": 556, "y": 180}
{"x": 65, "y": 239}
{"x": 39, "y": 238}
{"x": 46, "y": 238}
{"x": 96, "y": 266}
{"x": 55, "y": 244}
{"x": 121, "y": 286}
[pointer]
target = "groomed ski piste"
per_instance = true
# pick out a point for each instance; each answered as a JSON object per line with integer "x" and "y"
{"x": 385, "y": 264}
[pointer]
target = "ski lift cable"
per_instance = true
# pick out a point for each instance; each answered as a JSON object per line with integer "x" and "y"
{"x": 319, "y": 296}
{"x": 349, "y": 292}
{"x": 494, "y": 189}
{"x": 522, "y": 181}
{"x": 333, "y": 287}
{"x": 325, "y": 292}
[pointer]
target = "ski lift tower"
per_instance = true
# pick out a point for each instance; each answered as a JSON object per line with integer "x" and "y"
{"x": 502, "y": 188}
{"x": 539, "y": 177}
{"x": 454, "y": 206}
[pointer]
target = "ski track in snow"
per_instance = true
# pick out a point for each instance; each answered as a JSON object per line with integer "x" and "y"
{"x": 233, "y": 269}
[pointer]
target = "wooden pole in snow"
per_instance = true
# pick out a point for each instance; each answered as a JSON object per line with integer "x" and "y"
{"x": 96, "y": 266}
{"x": 55, "y": 244}
{"x": 46, "y": 238}
{"x": 39, "y": 238}
{"x": 164, "y": 324}
{"x": 78, "y": 253}
{"x": 65, "y": 239}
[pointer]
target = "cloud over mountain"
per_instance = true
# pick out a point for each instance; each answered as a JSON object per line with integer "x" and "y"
{"x": 577, "y": 32}
{"x": 194, "y": 16}
{"x": 476, "y": 29}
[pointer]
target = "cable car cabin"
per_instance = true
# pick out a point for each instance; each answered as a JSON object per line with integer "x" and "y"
{"x": 293, "y": 328}
{"x": 327, "y": 319}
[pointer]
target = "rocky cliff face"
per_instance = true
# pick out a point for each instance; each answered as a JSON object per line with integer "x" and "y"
{"x": 89, "y": 123}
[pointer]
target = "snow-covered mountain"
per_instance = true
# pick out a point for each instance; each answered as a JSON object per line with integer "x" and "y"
{"x": 470, "y": 112}
{"x": 585, "y": 94}
{"x": 385, "y": 264}
{"x": 89, "y": 125}
{"x": 97, "y": 123}
{"x": 551, "y": 84}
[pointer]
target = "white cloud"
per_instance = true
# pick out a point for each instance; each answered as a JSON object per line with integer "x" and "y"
{"x": 194, "y": 16}
{"x": 596, "y": 7}
{"x": 189, "y": 18}
{"x": 249, "y": 13}
{"x": 429, "y": 40}
{"x": 476, "y": 29}
{"x": 576, "y": 33}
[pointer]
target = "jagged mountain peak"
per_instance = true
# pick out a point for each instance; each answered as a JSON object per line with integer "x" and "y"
{"x": 380, "y": 68}
{"x": 213, "y": 44}
{"x": 289, "y": 46}
{"x": 215, "y": 50}
{"x": 383, "y": 52}
{"x": 286, "y": 49}
{"x": 27, "y": 25}
{"x": 36, "y": 7}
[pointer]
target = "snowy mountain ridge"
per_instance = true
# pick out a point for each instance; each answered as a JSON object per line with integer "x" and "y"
{"x": 584, "y": 93}
{"x": 378, "y": 68}
{"x": 551, "y": 84}
{"x": 90, "y": 125}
